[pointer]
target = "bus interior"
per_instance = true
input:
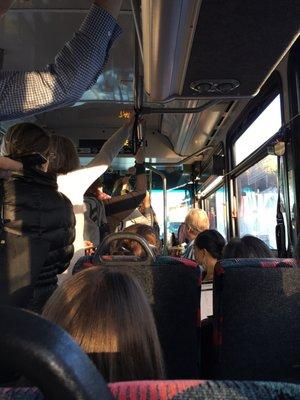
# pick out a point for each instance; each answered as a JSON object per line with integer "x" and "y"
{"x": 216, "y": 84}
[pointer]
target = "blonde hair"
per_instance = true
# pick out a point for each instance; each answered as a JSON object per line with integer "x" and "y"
{"x": 24, "y": 139}
{"x": 64, "y": 157}
{"x": 197, "y": 220}
{"x": 108, "y": 315}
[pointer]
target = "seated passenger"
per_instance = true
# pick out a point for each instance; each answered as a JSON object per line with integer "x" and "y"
{"x": 196, "y": 221}
{"x": 247, "y": 247}
{"x": 34, "y": 209}
{"x": 148, "y": 233}
{"x": 208, "y": 247}
{"x": 106, "y": 312}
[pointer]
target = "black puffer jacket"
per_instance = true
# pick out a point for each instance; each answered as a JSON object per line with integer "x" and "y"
{"x": 34, "y": 208}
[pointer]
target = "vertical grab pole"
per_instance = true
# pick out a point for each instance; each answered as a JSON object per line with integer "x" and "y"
{"x": 150, "y": 183}
{"x": 164, "y": 181}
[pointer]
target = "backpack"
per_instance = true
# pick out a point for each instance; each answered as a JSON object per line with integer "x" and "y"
{"x": 95, "y": 222}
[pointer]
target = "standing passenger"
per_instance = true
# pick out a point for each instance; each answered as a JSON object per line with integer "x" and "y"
{"x": 38, "y": 220}
{"x": 73, "y": 181}
{"x": 196, "y": 221}
{"x": 75, "y": 69}
{"x": 108, "y": 212}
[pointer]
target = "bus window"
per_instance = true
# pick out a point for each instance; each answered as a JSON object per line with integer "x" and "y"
{"x": 262, "y": 129}
{"x": 178, "y": 205}
{"x": 257, "y": 194}
{"x": 215, "y": 206}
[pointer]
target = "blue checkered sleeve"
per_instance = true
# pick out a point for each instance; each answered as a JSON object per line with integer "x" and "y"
{"x": 75, "y": 69}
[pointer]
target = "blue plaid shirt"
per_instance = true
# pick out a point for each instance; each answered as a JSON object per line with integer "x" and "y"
{"x": 75, "y": 69}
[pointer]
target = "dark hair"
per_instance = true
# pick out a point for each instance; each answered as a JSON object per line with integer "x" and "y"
{"x": 247, "y": 247}
{"x": 212, "y": 241}
{"x": 106, "y": 312}
{"x": 147, "y": 232}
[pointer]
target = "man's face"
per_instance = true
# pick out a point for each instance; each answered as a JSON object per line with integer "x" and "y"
{"x": 4, "y": 6}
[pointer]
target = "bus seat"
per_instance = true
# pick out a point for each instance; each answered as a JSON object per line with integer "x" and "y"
{"x": 154, "y": 390}
{"x": 172, "y": 287}
{"x": 235, "y": 390}
{"x": 180, "y": 390}
{"x": 47, "y": 357}
{"x": 256, "y": 324}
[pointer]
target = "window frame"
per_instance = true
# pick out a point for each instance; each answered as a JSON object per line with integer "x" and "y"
{"x": 293, "y": 75}
{"x": 251, "y": 112}
{"x": 221, "y": 184}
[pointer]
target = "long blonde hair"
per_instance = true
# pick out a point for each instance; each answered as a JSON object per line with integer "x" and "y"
{"x": 107, "y": 313}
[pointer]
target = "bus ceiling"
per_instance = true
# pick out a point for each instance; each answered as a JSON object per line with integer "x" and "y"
{"x": 195, "y": 54}
{"x": 214, "y": 49}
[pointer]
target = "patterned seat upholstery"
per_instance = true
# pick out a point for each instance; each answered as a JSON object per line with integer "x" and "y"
{"x": 173, "y": 288}
{"x": 234, "y": 390}
{"x": 150, "y": 390}
{"x": 256, "y": 331}
{"x": 181, "y": 390}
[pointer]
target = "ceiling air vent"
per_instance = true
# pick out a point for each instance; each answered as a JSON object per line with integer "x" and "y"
{"x": 214, "y": 86}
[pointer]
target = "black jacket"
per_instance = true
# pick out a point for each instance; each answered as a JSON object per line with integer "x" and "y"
{"x": 33, "y": 208}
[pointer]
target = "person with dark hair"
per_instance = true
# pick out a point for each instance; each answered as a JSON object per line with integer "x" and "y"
{"x": 247, "y": 247}
{"x": 74, "y": 70}
{"x": 208, "y": 247}
{"x": 106, "y": 312}
{"x": 39, "y": 222}
{"x": 149, "y": 233}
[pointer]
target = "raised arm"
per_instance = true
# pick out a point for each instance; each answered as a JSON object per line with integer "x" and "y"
{"x": 119, "y": 208}
{"x": 78, "y": 181}
{"x": 75, "y": 69}
{"x": 112, "y": 146}
{"x": 7, "y": 165}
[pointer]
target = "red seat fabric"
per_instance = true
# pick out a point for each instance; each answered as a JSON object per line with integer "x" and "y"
{"x": 151, "y": 390}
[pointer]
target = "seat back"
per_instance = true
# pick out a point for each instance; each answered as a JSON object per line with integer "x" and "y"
{"x": 154, "y": 390}
{"x": 256, "y": 331}
{"x": 172, "y": 287}
{"x": 234, "y": 390}
{"x": 181, "y": 390}
{"x": 176, "y": 304}
{"x": 47, "y": 356}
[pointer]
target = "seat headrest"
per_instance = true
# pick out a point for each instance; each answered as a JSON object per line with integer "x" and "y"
{"x": 48, "y": 357}
{"x": 255, "y": 263}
